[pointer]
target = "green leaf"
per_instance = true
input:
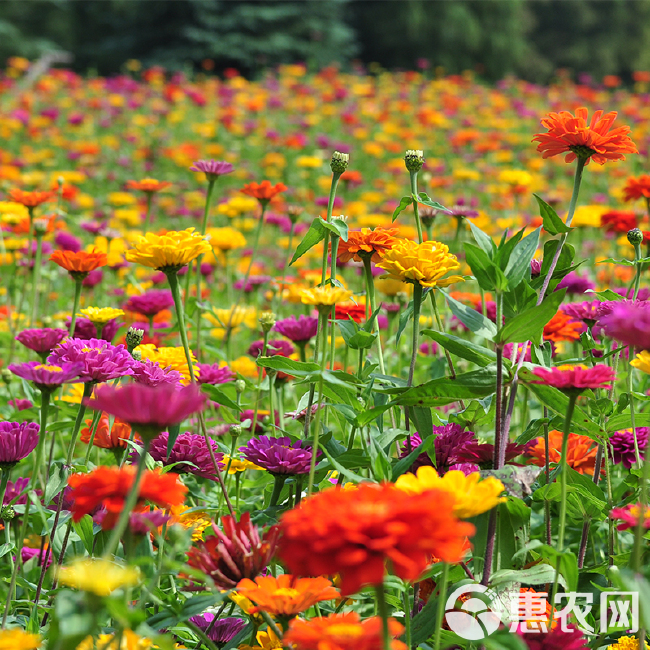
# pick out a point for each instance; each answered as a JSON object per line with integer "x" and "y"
{"x": 504, "y": 640}
{"x": 362, "y": 340}
{"x": 403, "y": 464}
{"x": 463, "y": 348}
{"x": 191, "y": 607}
{"x": 488, "y": 275}
{"x": 315, "y": 234}
{"x": 7, "y": 547}
{"x": 471, "y": 318}
{"x": 519, "y": 263}
{"x": 552, "y": 223}
{"x": 539, "y": 574}
{"x": 485, "y": 242}
{"x": 174, "y": 432}
{"x": 568, "y": 563}
{"x": 407, "y": 315}
{"x": 533, "y": 430}
{"x": 289, "y": 366}
{"x": 612, "y": 260}
{"x": 58, "y": 478}
{"x": 529, "y": 325}
{"x": 336, "y": 226}
{"x": 624, "y": 421}
{"x": 236, "y": 641}
{"x": 403, "y": 204}
{"x": 84, "y": 528}
{"x": 424, "y": 199}
{"x": 341, "y": 469}
{"x": 218, "y": 394}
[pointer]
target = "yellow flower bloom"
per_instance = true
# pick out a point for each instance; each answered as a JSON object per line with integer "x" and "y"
{"x": 225, "y": 239}
{"x": 642, "y": 361}
{"x": 472, "y": 496}
{"x": 627, "y": 643}
{"x": 325, "y": 296}
{"x": 266, "y": 640}
{"x": 169, "y": 357}
{"x": 121, "y": 198}
{"x": 196, "y": 520}
{"x": 245, "y": 367}
{"x": 238, "y": 464}
{"x": 73, "y": 393}
{"x": 100, "y": 315}
{"x": 100, "y": 577}
{"x": 11, "y": 208}
{"x": 175, "y": 248}
{"x": 245, "y": 605}
{"x": 234, "y": 317}
{"x": 130, "y": 641}
{"x": 16, "y": 639}
{"x": 425, "y": 263}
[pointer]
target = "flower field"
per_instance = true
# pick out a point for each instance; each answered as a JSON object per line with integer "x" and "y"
{"x": 323, "y": 362}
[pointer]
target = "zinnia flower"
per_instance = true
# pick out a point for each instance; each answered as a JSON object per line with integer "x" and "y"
{"x": 110, "y": 486}
{"x": 30, "y": 199}
{"x": 366, "y": 243}
{"x": 324, "y": 296}
{"x": 356, "y": 532}
{"x": 642, "y": 361}
{"x": 637, "y": 188}
{"x": 573, "y": 134}
{"x": 629, "y": 516}
{"x": 342, "y": 632}
{"x": 17, "y": 441}
{"x": 116, "y": 438}
{"x": 47, "y": 377}
{"x": 628, "y": 322}
{"x": 576, "y": 378}
{"x": 80, "y": 264}
{"x": 189, "y": 455}
{"x": 172, "y": 250}
{"x": 279, "y": 455}
{"x": 581, "y": 455}
{"x": 97, "y": 576}
{"x": 235, "y": 553}
{"x": 212, "y": 168}
{"x": 618, "y": 221}
{"x": 424, "y": 264}
{"x": 555, "y": 639}
{"x": 562, "y": 328}
{"x": 298, "y": 330}
{"x": 627, "y": 643}
{"x": 41, "y": 340}
{"x": 100, "y": 315}
{"x": 150, "y": 303}
{"x": 451, "y": 440}
{"x": 220, "y": 631}
{"x": 148, "y": 185}
{"x": 483, "y": 453}
{"x": 151, "y": 374}
{"x": 17, "y": 639}
{"x": 622, "y": 444}
{"x": 149, "y": 411}
{"x": 213, "y": 374}
{"x": 264, "y": 191}
{"x": 472, "y": 496}
{"x": 286, "y": 595}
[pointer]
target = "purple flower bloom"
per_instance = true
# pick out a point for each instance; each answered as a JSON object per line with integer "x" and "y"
{"x": 28, "y": 553}
{"x": 140, "y": 523}
{"x": 451, "y": 440}
{"x": 189, "y": 455}
{"x": 622, "y": 443}
{"x": 41, "y": 340}
{"x": 297, "y": 330}
{"x": 587, "y": 312}
{"x": 628, "y": 322}
{"x": 483, "y": 453}
{"x": 16, "y": 492}
{"x": 223, "y": 630}
{"x": 150, "y": 303}
{"x": 214, "y": 374}
{"x": 17, "y": 441}
{"x": 67, "y": 242}
{"x": 93, "y": 278}
{"x": 575, "y": 283}
{"x": 150, "y": 411}
{"x": 465, "y": 468}
{"x": 535, "y": 268}
{"x": 279, "y": 455}
{"x": 20, "y": 404}
{"x": 252, "y": 283}
{"x": 151, "y": 374}
{"x": 101, "y": 360}
{"x": 212, "y": 168}
{"x": 48, "y": 378}
{"x": 85, "y": 330}
{"x": 643, "y": 294}
{"x": 275, "y": 347}
{"x": 46, "y": 249}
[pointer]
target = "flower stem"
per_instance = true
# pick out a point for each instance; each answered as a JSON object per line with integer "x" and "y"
{"x": 416, "y": 211}
{"x": 637, "y": 552}
{"x": 314, "y": 448}
{"x": 40, "y": 448}
{"x": 36, "y": 278}
{"x": 75, "y": 305}
{"x": 257, "y": 388}
{"x": 277, "y": 488}
{"x": 564, "y": 471}
{"x": 88, "y": 389}
{"x": 382, "y": 609}
{"x": 407, "y": 617}
{"x": 440, "y": 610}
{"x": 93, "y": 433}
{"x": 417, "y": 305}
{"x": 330, "y": 207}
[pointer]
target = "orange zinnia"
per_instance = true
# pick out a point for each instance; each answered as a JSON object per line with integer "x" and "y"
{"x": 81, "y": 262}
{"x": 366, "y": 242}
{"x": 594, "y": 139}
{"x": 581, "y": 455}
{"x": 29, "y": 199}
{"x": 110, "y": 486}
{"x": 149, "y": 185}
{"x": 357, "y": 532}
{"x": 286, "y": 595}
{"x": 562, "y": 328}
{"x": 637, "y": 188}
{"x": 619, "y": 221}
{"x": 342, "y": 632}
{"x": 115, "y": 438}
{"x": 263, "y": 191}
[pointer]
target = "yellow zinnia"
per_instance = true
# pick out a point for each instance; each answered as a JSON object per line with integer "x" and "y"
{"x": 100, "y": 577}
{"x": 170, "y": 357}
{"x": 225, "y": 239}
{"x": 424, "y": 264}
{"x": 191, "y": 519}
{"x": 175, "y": 248}
{"x": 472, "y": 496}
{"x": 100, "y": 315}
{"x": 129, "y": 641}
{"x": 324, "y": 296}
{"x": 16, "y": 639}
{"x": 245, "y": 367}
{"x": 642, "y": 361}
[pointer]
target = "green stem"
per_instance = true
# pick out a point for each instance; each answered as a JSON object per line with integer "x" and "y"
{"x": 277, "y": 488}
{"x": 330, "y": 207}
{"x": 565, "y": 471}
{"x": 93, "y": 432}
{"x": 36, "y": 278}
{"x": 314, "y": 448}
{"x": 407, "y": 616}
{"x": 259, "y": 382}
{"x": 417, "y": 305}
{"x": 88, "y": 389}
{"x": 450, "y": 363}
{"x": 382, "y": 610}
{"x": 416, "y": 211}
{"x": 638, "y": 268}
{"x": 440, "y": 610}
{"x": 14, "y": 573}
{"x": 637, "y": 552}
{"x": 75, "y": 304}
{"x": 40, "y": 447}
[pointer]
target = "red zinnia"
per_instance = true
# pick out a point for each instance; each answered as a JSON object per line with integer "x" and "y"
{"x": 81, "y": 262}
{"x": 573, "y": 134}
{"x": 637, "y": 188}
{"x": 576, "y": 377}
{"x": 29, "y": 199}
{"x": 263, "y": 191}
{"x": 619, "y": 221}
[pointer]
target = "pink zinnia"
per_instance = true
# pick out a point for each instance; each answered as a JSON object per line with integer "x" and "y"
{"x": 17, "y": 441}
{"x": 150, "y": 303}
{"x": 47, "y": 377}
{"x": 628, "y": 322}
{"x": 576, "y": 378}
{"x": 629, "y": 516}
{"x": 215, "y": 374}
{"x": 212, "y": 168}
{"x": 41, "y": 340}
{"x": 150, "y": 411}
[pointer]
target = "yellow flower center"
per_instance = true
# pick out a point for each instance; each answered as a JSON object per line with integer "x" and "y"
{"x": 286, "y": 592}
{"x": 50, "y": 368}
{"x": 345, "y": 631}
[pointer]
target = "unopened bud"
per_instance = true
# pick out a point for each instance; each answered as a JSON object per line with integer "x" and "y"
{"x": 137, "y": 355}
{"x": 635, "y": 236}
{"x": 340, "y": 162}
{"x": 7, "y": 513}
{"x": 60, "y": 180}
{"x": 235, "y": 430}
{"x": 240, "y": 385}
{"x": 294, "y": 212}
{"x": 40, "y": 227}
{"x": 7, "y": 375}
{"x": 340, "y": 217}
{"x": 414, "y": 159}
{"x": 267, "y": 320}
{"x": 134, "y": 337}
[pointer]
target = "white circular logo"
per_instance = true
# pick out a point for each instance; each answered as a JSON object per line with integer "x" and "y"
{"x": 475, "y": 620}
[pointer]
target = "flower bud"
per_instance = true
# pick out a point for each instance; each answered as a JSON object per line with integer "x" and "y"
{"x": 294, "y": 212}
{"x": 240, "y": 385}
{"x": 60, "y": 180}
{"x": 340, "y": 217}
{"x": 235, "y": 430}
{"x": 137, "y": 355}
{"x": 133, "y": 338}
{"x": 267, "y": 320}
{"x": 7, "y": 513}
{"x": 635, "y": 236}
{"x": 40, "y": 227}
{"x": 339, "y": 162}
{"x": 7, "y": 375}
{"x": 414, "y": 159}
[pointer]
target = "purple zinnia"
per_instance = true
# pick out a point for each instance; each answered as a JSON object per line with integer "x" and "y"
{"x": 252, "y": 283}
{"x": 47, "y": 377}
{"x": 189, "y": 455}
{"x": 93, "y": 278}
{"x": 279, "y": 455}
{"x": 16, "y": 492}
{"x": 101, "y": 361}
{"x": 451, "y": 440}
{"x": 17, "y": 441}
{"x": 297, "y": 330}
{"x": 86, "y": 330}
{"x": 276, "y": 347}
{"x": 20, "y": 404}
{"x": 214, "y": 374}
{"x": 41, "y": 340}
{"x": 628, "y": 322}
{"x": 212, "y": 168}
{"x": 622, "y": 443}
{"x": 483, "y": 453}
{"x": 151, "y": 374}
{"x": 574, "y": 283}
{"x": 643, "y": 293}
{"x": 27, "y": 553}
{"x": 222, "y": 631}
{"x": 67, "y": 242}
{"x": 150, "y": 303}
{"x": 587, "y": 312}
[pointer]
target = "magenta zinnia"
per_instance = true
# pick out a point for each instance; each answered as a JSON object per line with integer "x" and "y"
{"x": 628, "y": 322}
{"x": 17, "y": 441}
{"x": 47, "y": 377}
{"x": 41, "y": 340}
{"x": 570, "y": 378}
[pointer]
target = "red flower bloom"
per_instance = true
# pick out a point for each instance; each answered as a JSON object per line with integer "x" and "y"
{"x": 618, "y": 221}
{"x": 263, "y": 191}
{"x": 81, "y": 262}
{"x": 573, "y": 134}
{"x": 350, "y": 311}
{"x": 29, "y": 199}
{"x": 581, "y": 455}
{"x": 576, "y": 377}
{"x": 562, "y": 328}
{"x": 629, "y": 516}
{"x": 637, "y": 188}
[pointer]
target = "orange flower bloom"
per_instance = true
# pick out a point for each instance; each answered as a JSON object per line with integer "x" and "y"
{"x": 29, "y": 199}
{"x": 581, "y": 454}
{"x": 350, "y": 311}
{"x": 366, "y": 242}
{"x": 115, "y": 438}
{"x": 342, "y": 632}
{"x": 562, "y": 328}
{"x": 619, "y": 221}
{"x": 356, "y": 532}
{"x": 149, "y": 185}
{"x": 109, "y": 487}
{"x": 81, "y": 262}
{"x": 637, "y": 188}
{"x": 263, "y": 191}
{"x": 573, "y": 134}
{"x": 286, "y": 595}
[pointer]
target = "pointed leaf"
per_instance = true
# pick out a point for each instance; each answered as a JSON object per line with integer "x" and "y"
{"x": 552, "y": 222}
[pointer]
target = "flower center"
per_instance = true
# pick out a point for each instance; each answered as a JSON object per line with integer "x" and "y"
{"x": 343, "y": 630}
{"x": 286, "y": 592}
{"x": 50, "y": 368}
